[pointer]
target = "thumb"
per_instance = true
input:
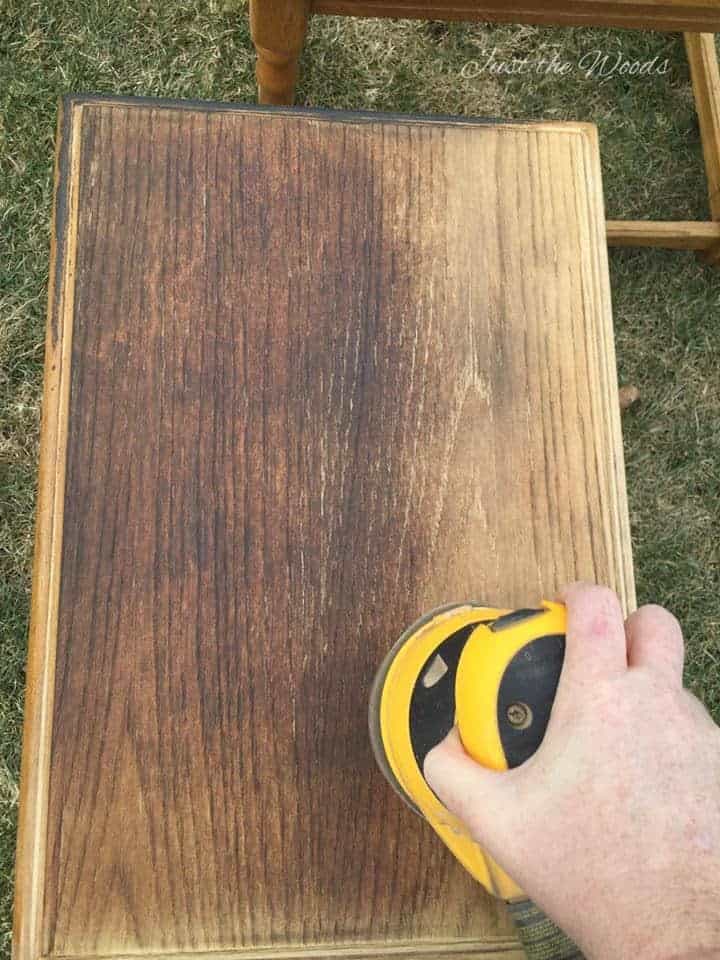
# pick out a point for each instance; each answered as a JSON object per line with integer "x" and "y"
{"x": 485, "y": 800}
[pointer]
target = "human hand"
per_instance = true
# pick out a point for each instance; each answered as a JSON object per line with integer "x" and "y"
{"x": 613, "y": 826}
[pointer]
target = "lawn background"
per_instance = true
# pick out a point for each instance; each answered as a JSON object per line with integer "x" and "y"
{"x": 666, "y": 305}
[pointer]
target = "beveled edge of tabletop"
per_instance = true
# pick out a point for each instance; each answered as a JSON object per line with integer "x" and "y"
{"x": 70, "y": 101}
{"x": 493, "y": 948}
{"x": 37, "y": 728}
{"x": 42, "y": 634}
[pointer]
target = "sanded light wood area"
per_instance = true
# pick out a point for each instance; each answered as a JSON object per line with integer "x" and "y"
{"x": 308, "y": 376}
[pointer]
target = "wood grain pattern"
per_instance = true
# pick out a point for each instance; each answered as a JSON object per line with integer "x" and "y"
{"x": 304, "y": 409}
{"x": 696, "y": 15}
{"x": 278, "y": 30}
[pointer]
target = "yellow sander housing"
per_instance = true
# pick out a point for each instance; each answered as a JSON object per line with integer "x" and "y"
{"x": 492, "y": 672}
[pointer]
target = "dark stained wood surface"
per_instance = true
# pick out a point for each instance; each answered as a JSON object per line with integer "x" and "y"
{"x": 327, "y": 372}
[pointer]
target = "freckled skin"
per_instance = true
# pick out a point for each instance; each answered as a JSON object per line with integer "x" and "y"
{"x": 613, "y": 826}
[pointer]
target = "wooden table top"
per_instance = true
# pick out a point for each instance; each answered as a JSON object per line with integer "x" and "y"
{"x": 308, "y": 375}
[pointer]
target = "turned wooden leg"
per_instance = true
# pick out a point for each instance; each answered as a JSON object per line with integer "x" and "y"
{"x": 278, "y": 29}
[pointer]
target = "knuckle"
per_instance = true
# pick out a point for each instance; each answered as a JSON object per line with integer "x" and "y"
{"x": 434, "y": 765}
{"x": 594, "y": 608}
{"x": 605, "y": 598}
{"x": 594, "y": 601}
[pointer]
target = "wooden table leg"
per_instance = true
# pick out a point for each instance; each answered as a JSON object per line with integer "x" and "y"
{"x": 278, "y": 30}
{"x": 702, "y": 236}
{"x": 702, "y": 56}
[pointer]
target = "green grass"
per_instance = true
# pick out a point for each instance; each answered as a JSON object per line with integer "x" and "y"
{"x": 667, "y": 305}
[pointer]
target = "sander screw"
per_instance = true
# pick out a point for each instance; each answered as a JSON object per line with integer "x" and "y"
{"x": 519, "y": 715}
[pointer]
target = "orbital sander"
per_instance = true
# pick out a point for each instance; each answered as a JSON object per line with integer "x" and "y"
{"x": 493, "y": 673}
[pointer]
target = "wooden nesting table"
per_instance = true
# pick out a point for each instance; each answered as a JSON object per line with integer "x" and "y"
{"x": 308, "y": 375}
